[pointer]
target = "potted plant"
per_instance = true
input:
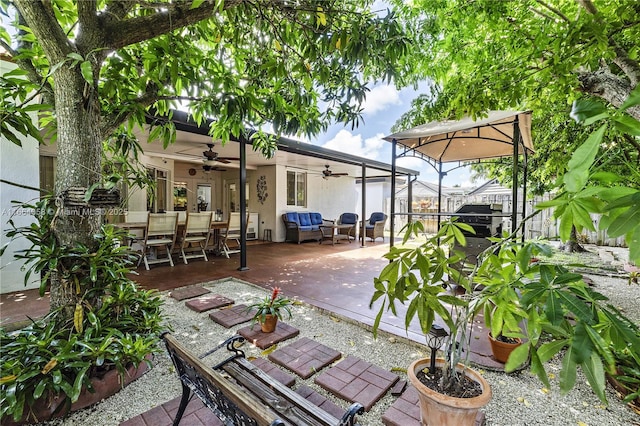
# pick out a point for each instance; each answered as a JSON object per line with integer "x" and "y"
{"x": 550, "y": 308}
{"x": 270, "y": 309}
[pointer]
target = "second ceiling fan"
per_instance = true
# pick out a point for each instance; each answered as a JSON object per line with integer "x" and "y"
{"x": 327, "y": 173}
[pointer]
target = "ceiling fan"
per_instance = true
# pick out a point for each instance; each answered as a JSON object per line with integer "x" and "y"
{"x": 326, "y": 173}
{"x": 211, "y": 157}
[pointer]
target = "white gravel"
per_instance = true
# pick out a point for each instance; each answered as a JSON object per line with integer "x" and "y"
{"x": 518, "y": 399}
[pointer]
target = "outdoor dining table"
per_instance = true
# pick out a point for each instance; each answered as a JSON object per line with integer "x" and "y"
{"x": 216, "y": 226}
{"x": 332, "y": 232}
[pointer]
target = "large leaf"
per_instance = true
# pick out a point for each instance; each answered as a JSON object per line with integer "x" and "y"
{"x": 584, "y": 109}
{"x": 581, "y": 160}
{"x": 568, "y": 372}
{"x": 633, "y": 98}
{"x": 592, "y": 368}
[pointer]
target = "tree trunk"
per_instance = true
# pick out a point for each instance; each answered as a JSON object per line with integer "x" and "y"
{"x": 573, "y": 246}
{"x": 79, "y": 149}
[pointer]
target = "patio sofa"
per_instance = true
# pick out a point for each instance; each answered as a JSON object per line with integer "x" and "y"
{"x": 302, "y": 226}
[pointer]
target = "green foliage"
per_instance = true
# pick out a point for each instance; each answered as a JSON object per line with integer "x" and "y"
{"x": 51, "y": 357}
{"x": 114, "y": 325}
{"x": 551, "y": 308}
{"x": 298, "y": 67}
{"x": 89, "y": 269}
{"x": 590, "y": 187}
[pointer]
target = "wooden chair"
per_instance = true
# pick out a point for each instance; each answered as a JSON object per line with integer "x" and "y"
{"x": 160, "y": 232}
{"x": 196, "y": 231}
{"x": 230, "y": 233}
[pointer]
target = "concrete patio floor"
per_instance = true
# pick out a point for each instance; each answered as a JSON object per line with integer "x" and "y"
{"x": 336, "y": 278}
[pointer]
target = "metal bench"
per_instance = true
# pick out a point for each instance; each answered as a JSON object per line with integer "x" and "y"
{"x": 239, "y": 393}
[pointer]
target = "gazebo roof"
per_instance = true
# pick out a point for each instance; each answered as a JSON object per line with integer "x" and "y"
{"x": 466, "y": 139}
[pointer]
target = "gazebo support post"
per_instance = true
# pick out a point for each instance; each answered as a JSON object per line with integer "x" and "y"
{"x": 514, "y": 189}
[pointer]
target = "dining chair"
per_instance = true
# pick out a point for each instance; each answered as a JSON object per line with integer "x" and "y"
{"x": 197, "y": 229}
{"x": 230, "y": 233}
{"x": 160, "y": 233}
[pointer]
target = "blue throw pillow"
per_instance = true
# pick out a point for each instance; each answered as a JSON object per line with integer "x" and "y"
{"x": 316, "y": 218}
{"x": 349, "y": 218}
{"x": 376, "y": 217}
{"x": 293, "y": 217}
{"x": 305, "y": 219}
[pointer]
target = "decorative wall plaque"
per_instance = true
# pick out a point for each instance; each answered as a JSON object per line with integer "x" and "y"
{"x": 261, "y": 186}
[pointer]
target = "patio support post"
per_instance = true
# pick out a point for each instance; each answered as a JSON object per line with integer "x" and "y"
{"x": 514, "y": 190}
{"x": 364, "y": 204}
{"x": 392, "y": 211}
{"x": 409, "y": 198}
{"x": 243, "y": 204}
{"x": 440, "y": 176}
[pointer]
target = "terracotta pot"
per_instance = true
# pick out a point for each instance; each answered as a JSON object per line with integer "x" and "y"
{"x": 501, "y": 350}
{"x": 439, "y": 409}
{"x": 49, "y": 407}
{"x": 269, "y": 324}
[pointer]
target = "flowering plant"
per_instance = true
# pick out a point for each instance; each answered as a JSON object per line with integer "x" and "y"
{"x": 275, "y": 305}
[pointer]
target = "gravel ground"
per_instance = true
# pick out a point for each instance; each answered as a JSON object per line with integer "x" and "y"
{"x": 518, "y": 399}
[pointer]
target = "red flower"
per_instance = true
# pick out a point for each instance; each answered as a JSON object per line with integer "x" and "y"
{"x": 274, "y": 295}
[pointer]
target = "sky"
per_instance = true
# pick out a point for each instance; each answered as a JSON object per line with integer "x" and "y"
{"x": 383, "y": 107}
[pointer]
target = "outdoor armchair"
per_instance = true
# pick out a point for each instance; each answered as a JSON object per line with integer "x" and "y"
{"x": 374, "y": 226}
{"x": 348, "y": 219}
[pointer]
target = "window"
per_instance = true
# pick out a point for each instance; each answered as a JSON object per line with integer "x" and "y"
{"x": 157, "y": 193}
{"x": 296, "y": 189}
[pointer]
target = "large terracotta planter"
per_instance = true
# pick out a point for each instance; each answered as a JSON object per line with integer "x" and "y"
{"x": 501, "y": 350}
{"x": 47, "y": 407}
{"x": 443, "y": 410}
{"x": 269, "y": 324}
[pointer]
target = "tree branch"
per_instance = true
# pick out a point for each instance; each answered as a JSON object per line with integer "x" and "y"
{"x": 554, "y": 10}
{"x": 608, "y": 86}
{"x": 45, "y": 27}
{"x": 130, "y": 31}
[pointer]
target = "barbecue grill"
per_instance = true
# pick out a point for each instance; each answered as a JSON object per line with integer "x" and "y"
{"x": 486, "y": 220}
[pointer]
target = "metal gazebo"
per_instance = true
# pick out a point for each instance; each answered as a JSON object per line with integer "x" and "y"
{"x": 500, "y": 134}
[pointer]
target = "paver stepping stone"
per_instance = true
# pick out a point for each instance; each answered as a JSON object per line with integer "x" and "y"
{"x": 189, "y": 292}
{"x": 271, "y": 369}
{"x": 304, "y": 356}
{"x": 405, "y": 411}
{"x": 232, "y": 316}
{"x": 210, "y": 301}
{"x": 356, "y": 380}
{"x": 318, "y": 399}
{"x": 254, "y": 334}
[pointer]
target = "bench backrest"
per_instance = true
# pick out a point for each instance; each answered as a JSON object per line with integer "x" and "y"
{"x": 216, "y": 392}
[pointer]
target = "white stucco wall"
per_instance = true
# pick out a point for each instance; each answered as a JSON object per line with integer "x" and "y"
{"x": 19, "y": 165}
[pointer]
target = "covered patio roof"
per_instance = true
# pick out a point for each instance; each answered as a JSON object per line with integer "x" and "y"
{"x": 192, "y": 140}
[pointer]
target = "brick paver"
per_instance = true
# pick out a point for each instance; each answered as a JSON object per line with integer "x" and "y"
{"x": 232, "y": 316}
{"x": 357, "y": 380}
{"x": 189, "y": 292}
{"x": 196, "y": 414}
{"x": 405, "y": 411}
{"x": 210, "y": 301}
{"x": 304, "y": 357}
{"x": 262, "y": 340}
{"x": 318, "y": 399}
{"x": 271, "y": 369}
